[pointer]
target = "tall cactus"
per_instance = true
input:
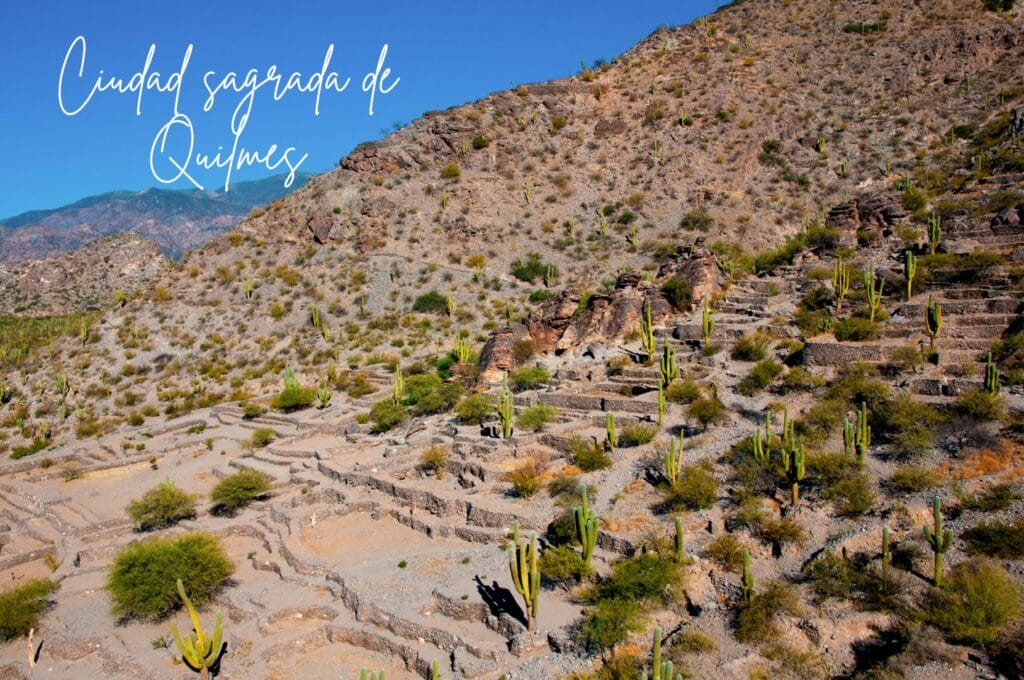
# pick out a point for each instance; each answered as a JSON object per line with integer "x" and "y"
{"x": 611, "y": 436}
{"x": 862, "y": 435}
{"x": 660, "y": 670}
{"x": 367, "y": 674}
{"x": 199, "y": 652}
{"x": 793, "y": 465}
{"x": 463, "y": 350}
{"x": 761, "y": 447}
{"x": 939, "y": 540}
{"x": 707, "y": 324}
{"x": 647, "y": 329}
{"x": 549, "y": 276}
{"x": 83, "y": 332}
{"x": 787, "y": 426}
{"x": 506, "y": 409}
{"x": 522, "y": 562}
{"x": 449, "y": 304}
{"x": 840, "y": 282}
{"x": 247, "y": 290}
{"x": 661, "y": 404}
{"x": 120, "y": 298}
{"x": 747, "y": 581}
{"x": 63, "y": 386}
{"x": 934, "y": 232}
{"x": 848, "y": 438}
{"x": 680, "y": 539}
{"x": 668, "y": 365}
{"x": 767, "y": 426}
{"x": 991, "y": 376}
{"x": 886, "y": 554}
{"x": 673, "y": 462}
{"x": 585, "y": 523}
{"x": 324, "y": 394}
{"x": 910, "y": 271}
{"x": 398, "y": 386}
{"x": 932, "y": 320}
{"x": 874, "y": 294}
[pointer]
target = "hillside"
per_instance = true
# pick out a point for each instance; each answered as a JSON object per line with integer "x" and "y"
{"x": 752, "y": 294}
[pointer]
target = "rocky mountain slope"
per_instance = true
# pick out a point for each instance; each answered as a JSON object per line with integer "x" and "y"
{"x": 175, "y": 220}
{"x": 819, "y": 208}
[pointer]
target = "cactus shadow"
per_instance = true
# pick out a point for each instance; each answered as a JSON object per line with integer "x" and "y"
{"x": 500, "y": 600}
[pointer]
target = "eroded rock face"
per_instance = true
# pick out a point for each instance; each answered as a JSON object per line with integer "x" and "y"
{"x": 498, "y": 353}
{"x": 702, "y": 271}
{"x": 320, "y": 223}
{"x": 867, "y": 210}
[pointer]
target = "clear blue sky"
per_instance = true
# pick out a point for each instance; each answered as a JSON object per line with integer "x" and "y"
{"x": 444, "y": 54}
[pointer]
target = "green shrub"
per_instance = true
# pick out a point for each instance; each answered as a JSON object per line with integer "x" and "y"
{"x": 852, "y": 495}
{"x": 431, "y": 302}
{"x": 693, "y": 641}
{"x": 142, "y": 581}
{"x": 261, "y": 437}
{"x": 536, "y": 417}
{"x": 980, "y": 405}
{"x": 914, "y": 478}
{"x": 996, "y": 539}
{"x": 609, "y": 623}
{"x": 588, "y": 455}
{"x": 781, "y": 532}
{"x": 162, "y": 506}
{"x": 756, "y": 621}
{"x": 525, "y": 478}
{"x": 855, "y": 329}
{"x": 799, "y": 379}
{"x": 993, "y": 498}
{"x": 530, "y": 378}
{"x": 977, "y": 601}
{"x": 22, "y": 606}
{"x": 475, "y": 409}
{"x": 293, "y": 398}
{"x": 251, "y": 410}
{"x": 561, "y": 565}
{"x": 760, "y": 377}
{"x": 451, "y": 171}
{"x": 238, "y": 490}
{"x": 999, "y": 5}
{"x": 707, "y": 410}
{"x": 677, "y": 292}
{"x": 647, "y": 576}
{"x": 696, "y": 220}
{"x": 683, "y": 391}
{"x": 480, "y": 142}
{"x": 751, "y": 347}
{"x": 696, "y": 488}
{"x": 386, "y": 414}
{"x": 727, "y": 551}
{"x": 530, "y": 270}
{"x": 637, "y": 434}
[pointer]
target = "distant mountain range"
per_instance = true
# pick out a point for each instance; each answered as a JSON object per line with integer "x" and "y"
{"x": 174, "y": 220}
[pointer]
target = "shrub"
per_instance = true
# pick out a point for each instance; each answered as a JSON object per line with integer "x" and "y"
{"x": 530, "y": 270}
{"x": 536, "y": 417}
{"x": 756, "y": 620}
{"x": 707, "y": 410}
{"x": 451, "y": 171}
{"x": 914, "y": 478}
{"x": 588, "y": 455}
{"x": 996, "y": 539}
{"x": 980, "y": 405}
{"x": 781, "y": 532}
{"x": 852, "y": 495}
{"x": 683, "y": 391}
{"x": 696, "y": 220}
{"x": 855, "y": 329}
{"x": 386, "y": 414}
{"x": 978, "y": 599}
{"x": 677, "y": 291}
{"x": 238, "y": 490}
{"x": 475, "y": 409}
{"x": 727, "y": 551}
{"x": 610, "y": 623}
{"x": 692, "y": 641}
{"x": 530, "y": 378}
{"x": 637, "y": 434}
{"x": 751, "y": 347}
{"x": 644, "y": 577}
{"x": 994, "y": 498}
{"x": 251, "y": 410}
{"x": 696, "y": 488}
{"x": 21, "y": 607}
{"x": 293, "y": 398}
{"x": 261, "y": 437}
{"x": 480, "y": 142}
{"x": 431, "y": 302}
{"x": 525, "y": 478}
{"x": 760, "y": 377}
{"x": 561, "y": 565}
{"x": 142, "y": 581}
{"x": 434, "y": 460}
{"x": 999, "y": 5}
{"x": 802, "y": 380}
{"x": 162, "y": 506}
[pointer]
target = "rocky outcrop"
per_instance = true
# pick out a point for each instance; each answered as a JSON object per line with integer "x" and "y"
{"x": 700, "y": 269}
{"x": 869, "y": 210}
{"x": 320, "y": 223}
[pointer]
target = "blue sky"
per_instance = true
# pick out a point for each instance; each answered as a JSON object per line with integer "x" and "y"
{"x": 442, "y": 54}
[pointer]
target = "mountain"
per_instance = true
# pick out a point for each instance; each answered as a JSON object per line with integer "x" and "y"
{"x": 175, "y": 220}
{"x": 752, "y": 294}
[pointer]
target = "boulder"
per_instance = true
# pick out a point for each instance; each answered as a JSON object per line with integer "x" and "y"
{"x": 320, "y": 223}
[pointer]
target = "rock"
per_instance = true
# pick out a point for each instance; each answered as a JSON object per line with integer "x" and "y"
{"x": 607, "y": 127}
{"x": 700, "y": 269}
{"x": 498, "y": 353}
{"x": 320, "y": 223}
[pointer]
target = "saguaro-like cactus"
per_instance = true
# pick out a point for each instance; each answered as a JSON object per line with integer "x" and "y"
{"x": 886, "y": 555}
{"x": 848, "y": 436}
{"x": 707, "y": 324}
{"x": 522, "y": 561}
{"x": 862, "y": 435}
{"x": 506, "y": 409}
{"x": 449, "y": 303}
{"x": 761, "y": 447}
{"x": 549, "y": 276}
{"x": 680, "y": 540}
{"x": 793, "y": 465}
{"x": 673, "y": 463}
{"x": 367, "y": 674}
{"x": 940, "y": 539}
{"x": 873, "y": 293}
{"x": 611, "y": 436}
{"x": 324, "y": 394}
{"x": 668, "y": 365}
{"x": 910, "y": 271}
{"x": 661, "y": 404}
{"x": 934, "y": 232}
{"x": 660, "y": 670}
{"x": 247, "y": 290}
{"x": 398, "y": 386}
{"x": 991, "y": 376}
{"x": 199, "y": 652}
{"x": 747, "y": 581}
{"x": 840, "y": 282}
{"x": 932, "y": 320}
{"x": 647, "y": 329}
{"x": 586, "y": 527}
{"x": 463, "y": 350}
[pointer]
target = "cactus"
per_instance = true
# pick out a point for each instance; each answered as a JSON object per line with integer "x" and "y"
{"x": 290, "y": 381}
{"x": 874, "y": 295}
{"x": 315, "y": 320}
{"x": 83, "y": 332}
{"x": 478, "y": 273}
{"x": 787, "y": 426}
{"x": 761, "y": 447}
{"x": 991, "y": 376}
{"x": 940, "y": 540}
{"x": 793, "y": 465}
{"x": 886, "y": 555}
{"x": 398, "y": 386}
{"x": 586, "y": 527}
{"x": 611, "y": 437}
{"x": 529, "y": 192}
{"x": 63, "y": 387}
{"x": 661, "y": 670}
{"x": 324, "y": 394}
{"x": 767, "y": 426}
{"x": 932, "y": 320}
{"x": 680, "y": 552}
{"x": 647, "y": 329}
{"x": 463, "y": 350}
{"x": 120, "y": 299}
{"x": 707, "y": 324}
{"x": 910, "y": 270}
{"x": 549, "y": 276}
{"x": 506, "y": 409}
{"x": 247, "y": 291}
{"x": 661, "y": 404}
{"x": 200, "y": 653}
{"x": 633, "y": 239}
{"x": 840, "y": 282}
{"x": 862, "y": 433}
{"x": 848, "y": 438}
{"x": 668, "y": 365}
{"x": 367, "y": 674}
{"x": 747, "y": 582}
{"x": 934, "y": 232}
{"x": 522, "y": 562}
{"x": 435, "y": 674}
{"x": 449, "y": 304}
{"x": 673, "y": 462}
